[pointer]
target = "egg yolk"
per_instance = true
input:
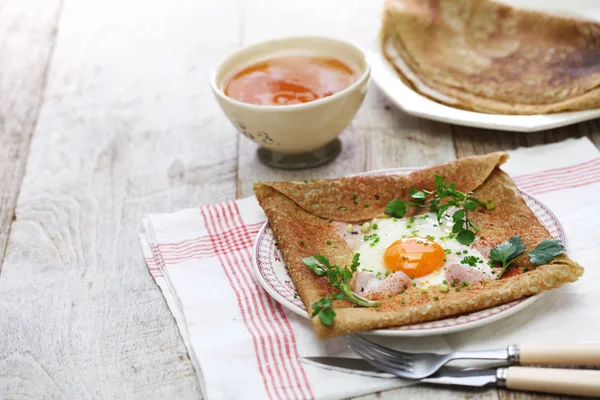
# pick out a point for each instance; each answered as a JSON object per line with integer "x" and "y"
{"x": 414, "y": 256}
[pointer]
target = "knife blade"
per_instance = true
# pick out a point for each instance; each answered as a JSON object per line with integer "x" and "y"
{"x": 445, "y": 376}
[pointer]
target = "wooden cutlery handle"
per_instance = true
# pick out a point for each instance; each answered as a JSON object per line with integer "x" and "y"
{"x": 576, "y": 353}
{"x": 575, "y": 382}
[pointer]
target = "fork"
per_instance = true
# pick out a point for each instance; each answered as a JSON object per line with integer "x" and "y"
{"x": 421, "y": 365}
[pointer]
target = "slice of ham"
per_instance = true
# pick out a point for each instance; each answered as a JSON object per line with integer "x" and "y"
{"x": 483, "y": 246}
{"x": 366, "y": 283}
{"x": 353, "y": 238}
{"x": 459, "y": 273}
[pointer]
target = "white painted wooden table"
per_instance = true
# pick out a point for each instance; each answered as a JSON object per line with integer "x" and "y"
{"x": 106, "y": 115}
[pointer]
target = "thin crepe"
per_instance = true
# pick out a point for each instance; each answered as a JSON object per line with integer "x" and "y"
{"x": 489, "y": 57}
{"x": 301, "y": 213}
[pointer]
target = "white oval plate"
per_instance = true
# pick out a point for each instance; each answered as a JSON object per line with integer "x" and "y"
{"x": 411, "y": 102}
{"x": 270, "y": 271}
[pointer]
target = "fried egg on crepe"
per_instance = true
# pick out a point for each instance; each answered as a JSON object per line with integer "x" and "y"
{"x": 489, "y": 57}
{"x": 311, "y": 217}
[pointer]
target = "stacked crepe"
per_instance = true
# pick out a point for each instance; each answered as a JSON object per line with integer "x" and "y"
{"x": 488, "y": 57}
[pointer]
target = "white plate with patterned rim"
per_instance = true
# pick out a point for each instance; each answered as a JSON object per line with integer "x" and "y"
{"x": 270, "y": 271}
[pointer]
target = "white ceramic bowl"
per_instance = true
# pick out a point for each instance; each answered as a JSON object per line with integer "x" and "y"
{"x": 296, "y": 128}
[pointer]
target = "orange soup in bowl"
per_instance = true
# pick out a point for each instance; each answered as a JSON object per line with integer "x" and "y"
{"x": 289, "y": 80}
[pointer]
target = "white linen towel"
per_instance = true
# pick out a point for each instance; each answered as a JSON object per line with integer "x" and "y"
{"x": 243, "y": 344}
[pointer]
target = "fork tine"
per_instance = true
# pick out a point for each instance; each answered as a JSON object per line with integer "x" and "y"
{"x": 367, "y": 356}
{"x": 362, "y": 350}
{"x": 397, "y": 355}
{"x": 374, "y": 354}
{"x": 383, "y": 360}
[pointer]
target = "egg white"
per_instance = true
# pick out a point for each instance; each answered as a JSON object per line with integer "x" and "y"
{"x": 389, "y": 230}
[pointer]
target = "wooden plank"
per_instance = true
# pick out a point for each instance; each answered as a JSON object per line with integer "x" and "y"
{"x": 22, "y": 81}
{"x": 430, "y": 392}
{"x": 128, "y": 128}
{"x": 514, "y": 395}
{"x": 471, "y": 141}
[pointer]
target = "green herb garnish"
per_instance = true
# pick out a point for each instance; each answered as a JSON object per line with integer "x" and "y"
{"x": 470, "y": 260}
{"x": 374, "y": 238}
{"x": 463, "y": 227}
{"x": 546, "y": 251}
{"x": 512, "y": 249}
{"x": 340, "y": 279}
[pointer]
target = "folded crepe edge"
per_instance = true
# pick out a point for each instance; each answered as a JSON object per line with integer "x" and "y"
{"x": 469, "y": 173}
{"x": 559, "y": 271}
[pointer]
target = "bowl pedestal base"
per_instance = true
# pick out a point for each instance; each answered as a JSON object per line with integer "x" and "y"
{"x": 310, "y": 159}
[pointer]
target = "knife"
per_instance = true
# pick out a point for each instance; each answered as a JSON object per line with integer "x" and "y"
{"x": 550, "y": 380}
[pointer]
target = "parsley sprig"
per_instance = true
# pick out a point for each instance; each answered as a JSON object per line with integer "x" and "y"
{"x": 439, "y": 201}
{"x": 512, "y": 249}
{"x": 340, "y": 279}
{"x": 471, "y": 260}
